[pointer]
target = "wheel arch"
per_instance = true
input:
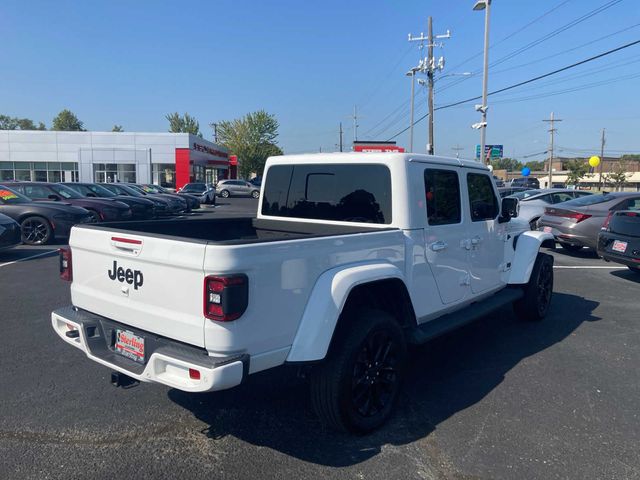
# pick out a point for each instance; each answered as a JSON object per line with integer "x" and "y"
{"x": 527, "y": 247}
{"x": 341, "y": 290}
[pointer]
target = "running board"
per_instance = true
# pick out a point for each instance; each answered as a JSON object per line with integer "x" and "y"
{"x": 441, "y": 325}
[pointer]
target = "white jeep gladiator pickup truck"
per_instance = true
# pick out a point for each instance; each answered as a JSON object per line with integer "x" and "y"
{"x": 351, "y": 258}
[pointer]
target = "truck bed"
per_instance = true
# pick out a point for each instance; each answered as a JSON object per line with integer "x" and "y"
{"x": 232, "y": 230}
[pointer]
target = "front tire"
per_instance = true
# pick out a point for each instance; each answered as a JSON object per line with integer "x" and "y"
{"x": 571, "y": 248}
{"x": 95, "y": 217}
{"x": 224, "y": 193}
{"x": 356, "y": 387}
{"x": 534, "y": 305}
{"x": 634, "y": 269}
{"x": 36, "y": 231}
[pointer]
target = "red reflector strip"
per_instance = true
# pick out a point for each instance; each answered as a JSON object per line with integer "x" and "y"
{"x": 194, "y": 374}
{"x": 126, "y": 240}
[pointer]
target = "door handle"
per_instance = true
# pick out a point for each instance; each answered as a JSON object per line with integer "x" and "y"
{"x": 437, "y": 246}
{"x": 476, "y": 240}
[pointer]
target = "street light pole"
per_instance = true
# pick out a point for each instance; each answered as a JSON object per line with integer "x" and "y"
{"x": 412, "y": 74}
{"x": 486, "y": 6}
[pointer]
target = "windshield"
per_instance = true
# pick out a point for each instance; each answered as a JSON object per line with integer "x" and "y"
{"x": 194, "y": 187}
{"x": 10, "y": 197}
{"x": 120, "y": 189}
{"x": 590, "y": 200}
{"x": 65, "y": 192}
{"x": 525, "y": 194}
{"x": 99, "y": 190}
{"x": 149, "y": 188}
{"x": 138, "y": 189}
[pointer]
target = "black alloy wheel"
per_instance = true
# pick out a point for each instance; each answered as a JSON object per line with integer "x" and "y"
{"x": 375, "y": 375}
{"x": 94, "y": 217}
{"x": 36, "y": 231}
{"x": 534, "y": 304}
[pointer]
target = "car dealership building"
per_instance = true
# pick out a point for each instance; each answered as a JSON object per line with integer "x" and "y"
{"x": 168, "y": 159}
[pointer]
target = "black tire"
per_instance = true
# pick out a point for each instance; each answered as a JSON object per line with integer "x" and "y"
{"x": 571, "y": 248}
{"x": 255, "y": 194}
{"x": 349, "y": 393}
{"x": 95, "y": 217}
{"x": 36, "y": 231}
{"x": 224, "y": 193}
{"x": 634, "y": 269}
{"x": 534, "y": 305}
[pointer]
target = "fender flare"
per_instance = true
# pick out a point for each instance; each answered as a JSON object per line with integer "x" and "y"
{"x": 527, "y": 248}
{"x": 325, "y": 304}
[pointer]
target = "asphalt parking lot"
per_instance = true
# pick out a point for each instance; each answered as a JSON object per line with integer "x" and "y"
{"x": 496, "y": 399}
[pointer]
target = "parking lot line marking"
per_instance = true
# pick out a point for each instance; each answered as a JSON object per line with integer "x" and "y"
{"x": 589, "y": 266}
{"x": 27, "y": 258}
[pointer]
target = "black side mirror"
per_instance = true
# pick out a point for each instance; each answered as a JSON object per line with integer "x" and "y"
{"x": 510, "y": 208}
{"x": 53, "y": 197}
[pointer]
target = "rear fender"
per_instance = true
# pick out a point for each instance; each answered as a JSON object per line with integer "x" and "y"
{"x": 527, "y": 248}
{"x": 325, "y": 304}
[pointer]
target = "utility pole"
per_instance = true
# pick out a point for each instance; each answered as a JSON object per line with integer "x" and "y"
{"x": 428, "y": 65}
{"x": 457, "y": 149}
{"x": 431, "y": 64}
{"x": 602, "y": 142}
{"x": 355, "y": 123}
{"x": 215, "y": 132}
{"x": 340, "y": 136}
{"x": 412, "y": 73}
{"x": 552, "y": 130}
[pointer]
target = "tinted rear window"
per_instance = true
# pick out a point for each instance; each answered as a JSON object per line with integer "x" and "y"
{"x": 626, "y": 223}
{"x": 349, "y": 193}
{"x": 591, "y": 200}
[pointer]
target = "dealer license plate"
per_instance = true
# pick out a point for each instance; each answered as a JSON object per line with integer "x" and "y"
{"x": 129, "y": 345}
{"x": 619, "y": 246}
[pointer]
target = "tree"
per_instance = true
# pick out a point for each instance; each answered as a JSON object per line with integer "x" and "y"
{"x": 67, "y": 121}
{"x": 508, "y": 164}
{"x": 630, "y": 157}
{"x": 117, "y": 128}
{"x": 617, "y": 177}
{"x": 577, "y": 170}
{"x": 535, "y": 166}
{"x": 252, "y": 138}
{"x": 183, "y": 124}
{"x": 15, "y": 123}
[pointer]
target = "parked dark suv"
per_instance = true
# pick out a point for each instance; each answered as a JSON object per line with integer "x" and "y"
{"x": 528, "y": 182}
{"x": 101, "y": 209}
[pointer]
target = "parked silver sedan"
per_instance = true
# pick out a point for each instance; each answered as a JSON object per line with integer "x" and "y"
{"x": 533, "y": 202}
{"x": 228, "y": 188}
{"x": 575, "y": 224}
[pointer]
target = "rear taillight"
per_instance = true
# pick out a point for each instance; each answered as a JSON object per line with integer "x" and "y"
{"x": 225, "y": 297}
{"x": 605, "y": 225}
{"x": 566, "y": 214}
{"x": 66, "y": 266}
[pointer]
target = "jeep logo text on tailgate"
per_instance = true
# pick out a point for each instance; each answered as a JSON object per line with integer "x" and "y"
{"x": 132, "y": 277}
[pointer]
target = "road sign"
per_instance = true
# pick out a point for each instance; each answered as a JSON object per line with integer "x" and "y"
{"x": 496, "y": 151}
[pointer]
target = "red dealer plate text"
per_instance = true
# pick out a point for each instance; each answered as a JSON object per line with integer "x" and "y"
{"x": 129, "y": 345}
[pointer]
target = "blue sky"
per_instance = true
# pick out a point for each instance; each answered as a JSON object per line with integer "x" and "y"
{"x": 309, "y": 63}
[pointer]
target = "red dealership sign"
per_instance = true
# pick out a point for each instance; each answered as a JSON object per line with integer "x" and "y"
{"x": 385, "y": 147}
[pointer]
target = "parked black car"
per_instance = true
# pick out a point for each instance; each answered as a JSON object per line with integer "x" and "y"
{"x": 101, "y": 209}
{"x": 40, "y": 222}
{"x": 163, "y": 206}
{"x": 193, "y": 202}
{"x": 528, "y": 182}
{"x": 9, "y": 232}
{"x": 141, "y": 208}
{"x": 619, "y": 241}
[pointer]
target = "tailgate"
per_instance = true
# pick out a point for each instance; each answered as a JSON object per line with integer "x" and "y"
{"x": 154, "y": 284}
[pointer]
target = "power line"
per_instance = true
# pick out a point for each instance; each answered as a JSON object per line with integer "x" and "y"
{"x": 519, "y": 84}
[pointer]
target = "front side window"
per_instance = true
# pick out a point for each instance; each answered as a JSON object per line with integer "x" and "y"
{"x": 442, "y": 189}
{"x": 348, "y": 193}
{"x": 483, "y": 203}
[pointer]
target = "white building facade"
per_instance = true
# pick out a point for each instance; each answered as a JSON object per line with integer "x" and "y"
{"x": 168, "y": 159}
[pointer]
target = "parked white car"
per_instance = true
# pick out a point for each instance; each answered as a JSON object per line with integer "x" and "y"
{"x": 351, "y": 258}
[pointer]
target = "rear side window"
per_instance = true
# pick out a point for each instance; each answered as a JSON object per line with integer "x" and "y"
{"x": 483, "y": 203}
{"x": 561, "y": 197}
{"x": 442, "y": 189}
{"x": 626, "y": 223}
{"x": 349, "y": 193}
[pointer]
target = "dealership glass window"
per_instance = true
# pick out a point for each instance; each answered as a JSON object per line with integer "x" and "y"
{"x": 39, "y": 171}
{"x": 164, "y": 174}
{"x": 114, "y": 172}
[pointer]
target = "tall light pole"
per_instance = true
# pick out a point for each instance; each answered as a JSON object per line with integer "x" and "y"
{"x": 412, "y": 73}
{"x": 486, "y": 6}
